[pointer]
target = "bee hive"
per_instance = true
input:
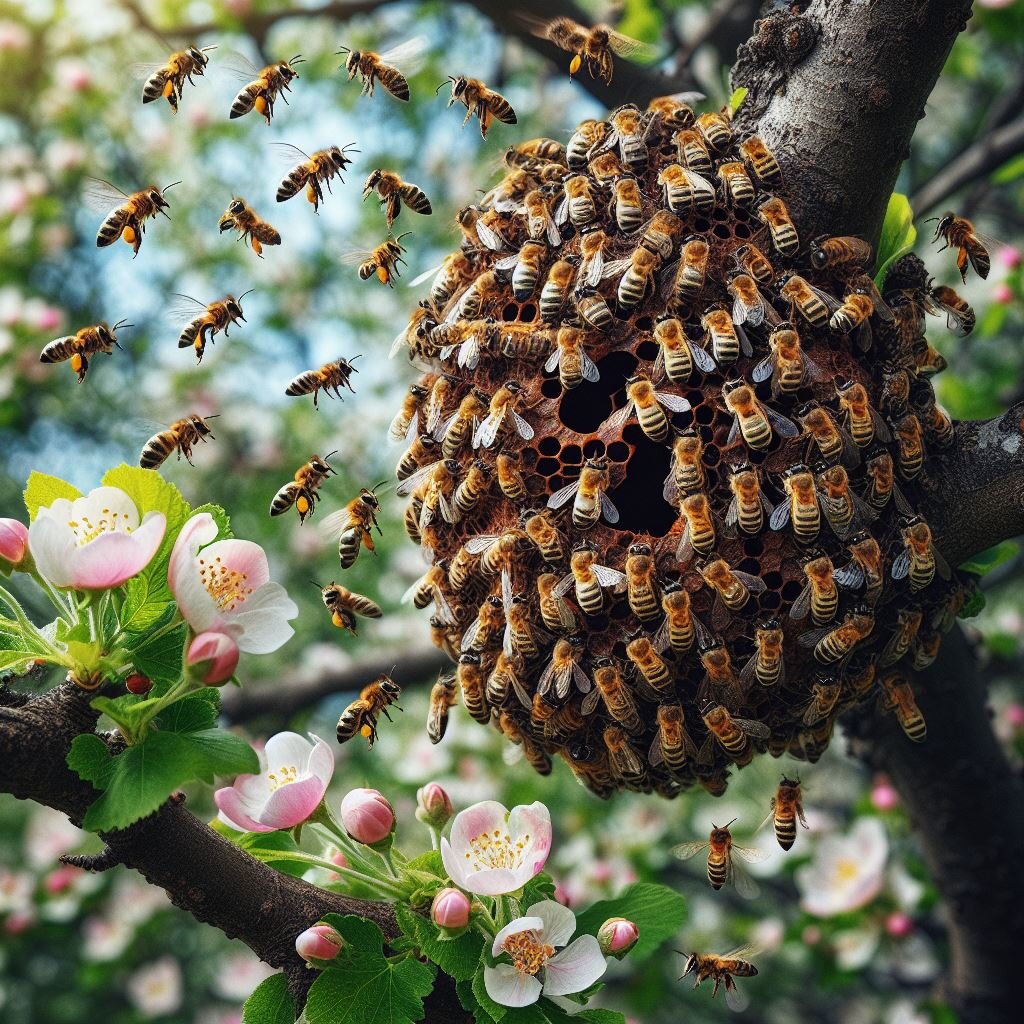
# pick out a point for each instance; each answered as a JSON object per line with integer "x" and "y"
{"x": 483, "y": 327}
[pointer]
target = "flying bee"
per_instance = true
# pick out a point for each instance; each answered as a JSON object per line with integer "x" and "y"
{"x": 510, "y": 478}
{"x": 761, "y": 160}
{"x": 589, "y": 580}
{"x": 592, "y": 306}
{"x": 698, "y": 527}
{"x": 959, "y": 233}
{"x": 908, "y": 625}
{"x": 920, "y": 559}
{"x": 471, "y": 489}
{"x": 767, "y": 664}
{"x": 774, "y": 213}
{"x": 637, "y": 275}
{"x": 652, "y": 409}
{"x": 820, "y": 596}
{"x": 443, "y": 695}
{"x": 239, "y": 216}
{"x": 692, "y": 270}
{"x": 578, "y": 204}
{"x": 313, "y": 172}
{"x": 546, "y": 537}
{"x": 591, "y": 501}
{"x": 730, "y": 733}
{"x": 786, "y": 809}
{"x": 361, "y": 715}
{"x": 381, "y": 262}
{"x": 344, "y": 605}
{"x": 672, "y": 745}
{"x": 502, "y": 408}
{"x": 685, "y": 189}
{"x": 526, "y": 266}
{"x": 649, "y": 663}
{"x": 677, "y": 354}
{"x": 722, "y": 969}
{"x": 480, "y": 102}
{"x": 749, "y": 504}
{"x": 898, "y": 696}
{"x": 787, "y": 363}
{"x": 687, "y": 474}
{"x": 393, "y": 193}
{"x": 564, "y": 670}
{"x": 834, "y": 643}
{"x": 627, "y": 204}
{"x": 127, "y": 219}
{"x": 736, "y": 183}
{"x": 86, "y": 342}
{"x": 750, "y": 259}
{"x": 331, "y": 377}
{"x": 960, "y": 317}
{"x": 748, "y": 304}
{"x": 831, "y": 440}
{"x": 302, "y": 491}
{"x": 486, "y": 630}
{"x": 168, "y": 79}
{"x": 555, "y": 292}
{"x": 642, "y": 589}
{"x": 681, "y": 627}
{"x": 555, "y": 612}
{"x": 261, "y": 93}
{"x": 910, "y": 446}
{"x": 861, "y": 420}
{"x": 592, "y": 47}
{"x": 354, "y": 524}
{"x": 815, "y": 305}
{"x": 470, "y": 678}
{"x": 571, "y": 360}
{"x": 692, "y": 151}
{"x": 722, "y": 867}
{"x": 883, "y": 487}
{"x": 206, "y": 320}
{"x": 753, "y": 420}
{"x": 821, "y": 707}
{"x": 800, "y": 506}
{"x": 623, "y": 758}
{"x": 838, "y": 252}
{"x": 381, "y": 67}
{"x": 180, "y": 436}
{"x": 728, "y": 339}
{"x": 733, "y": 589}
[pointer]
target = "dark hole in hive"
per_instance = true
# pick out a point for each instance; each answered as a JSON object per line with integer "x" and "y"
{"x": 720, "y": 214}
{"x": 751, "y": 566}
{"x": 643, "y": 323}
{"x": 586, "y": 407}
{"x": 556, "y": 483}
{"x": 620, "y": 611}
{"x": 597, "y": 623}
{"x": 701, "y": 225}
{"x": 548, "y": 446}
{"x": 572, "y": 455}
{"x": 510, "y": 312}
{"x": 721, "y": 231}
{"x": 593, "y": 449}
{"x": 711, "y": 455}
{"x": 551, "y": 388}
{"x": 753, "y": 547}
{"x": 773, "y": 580}
{"x": 528, "y": 457}
{"x": 547, "y": 466}
{"x": 741, "y": 231}
{"x": 647, "y": 350}
{"x": 528, "y": 312}
{"x": 618, "y": 451}
{"x": 638, "y": 497}
{"x": 770, "y": 601}
{"x": 791, "y": 590}
{"x": 704, "y": 414}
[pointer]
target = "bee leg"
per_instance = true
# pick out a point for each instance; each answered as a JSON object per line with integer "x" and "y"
{"x": 256, "y": 246}
{"x": 368, "y": 541}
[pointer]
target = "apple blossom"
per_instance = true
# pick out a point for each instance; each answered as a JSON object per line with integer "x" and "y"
{"x": 884, "y": 796}
{"x": 899, "y": 925}
{"x": 617, "y": 937}
{"x": 1009, "y": 255}
{"x": 494, "y": 851}
{"x": 293, "y": 779}
{"x": 450, "y": 909}
{"x": 94, "y": 543}
{"x": 1002, "y": 293}
{"x": 224, "y": 586}
{"x": 367, "y": 816}
{"x": 433, "y": 806}
{"x": 13, "y": 541}
{"x": 847, "y": 871}
{"x": 156, "y": 988}
{"x": 213, "y": 656}
{"x": 318, "y": 944}
{"x": 535, "y": 968}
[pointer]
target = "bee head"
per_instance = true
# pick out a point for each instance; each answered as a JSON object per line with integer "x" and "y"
{"x": 286, "y": 70}
{"x": 372, "y": 181}
{"x": 819, "y": 258}
{"x": 642, "y": 550}
{"x": 469, "y": 658}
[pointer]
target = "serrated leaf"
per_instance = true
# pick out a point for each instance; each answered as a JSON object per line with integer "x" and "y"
{"x": 459, "y": 958}
{"x": 657, "y": 911}
{"x": 737, "y": 98}
{"x": 539, "y": 888}
{"x": 117, "y": 709}
{"x": 161, "y": 658}
{"x": 42, "y": 490}
{"x": 898, "y": 235}
{"x": 12, "y": 661}
{"x": 990, "y": 558}
{"x": 197, "y": 711}
{"x": 220, "y": 517}
{"x": 270, "y": 1003}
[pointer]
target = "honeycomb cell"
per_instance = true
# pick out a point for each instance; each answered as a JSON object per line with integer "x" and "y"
{"x": 548, "y": 446}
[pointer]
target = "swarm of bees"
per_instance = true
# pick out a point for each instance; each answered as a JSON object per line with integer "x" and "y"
{"x": 666, "y": 462}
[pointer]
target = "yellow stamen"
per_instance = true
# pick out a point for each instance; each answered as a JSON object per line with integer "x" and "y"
{"x": 85, "y": 530}
{"x": 283, "y": 776}
{"x": 227, "y": 587}
{"x": 495, "y": 849}
{"x": 528, "y": 953}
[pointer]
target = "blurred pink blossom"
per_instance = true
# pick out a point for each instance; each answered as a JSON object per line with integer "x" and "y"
{"x": 61, "y": 879}
{"x": 1009, "y": 256}
{"x": 1002, "y": 293}
{"x": 156, "y": 988}
{"x": 72, "y": 74}
{"x": 106, "y": 938}
{"x": 13, "y": 36}
{"x": 48, "y": 835}
{"x": 1015, "y": 716}
{"x": 899, "y": 925}
{"x": 995, "y": 4}
{"x": 14, "y": 198}
{"x": 884, "y": 796}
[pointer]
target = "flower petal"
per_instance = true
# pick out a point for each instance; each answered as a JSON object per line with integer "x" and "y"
{"x": 514, "y": 927}
{"x": 288, "y": 748}
{"x": 292, "y": 803}
{"x": 453, "y": 864}
{"x": 507, "y": 986}
{"x": 242, "y": 556}
{"x": 261, "y": 626}
{"x": 199, "y": 530}
{"x": 106, "y": 503}
{"x": 321, "y": 760}
{"x": 113, "y": 558}
{"x": 559, "y": 921}
{"x": 52, "y": 543}
{"x": 492, "y": 882}
{"x": 485, "y": 816}
{"x": 575, "y": 968}
{"x": 533, "y": 820}
{"x": 233, "y": 812}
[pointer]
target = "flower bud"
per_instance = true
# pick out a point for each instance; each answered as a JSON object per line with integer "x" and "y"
{"x": 884, "y": 796}
{"x": 899, "y": 925}
{"x": 1009, "y": 255}
{"x": 213, "y": 657}
{"x": 433, "y": 806}
{"x": 368, "y": 817}
{"x": 13, "y": 543}
{"x": 319, "y": 944}
{"x": 138, "y": 684}
{"x": 617, "y": 937}
{"x": 1003, "y": 294}
{"x": 450, "y": 909}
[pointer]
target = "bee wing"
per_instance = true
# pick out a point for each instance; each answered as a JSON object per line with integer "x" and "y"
{"x": 523, "y": 428}
{"x": 507, "y": 262}
{"x": 745, "y": 885}
{"x": 684, "y": 851}
{"x": 676, "y": 403}
{"x": 594, "y": 270}
{"x": 802, "y": 605}
{"x": 102, "y": 196}
{"x": 608, "y": 577}
{"x": 398, "y": 343}
{"x": 812, "y": 636}
{"x": 554, "y": 235}
{"x": 490, "y": 238}
{"x": 753, "y": 583}
{"x": 780, "y": 515}
{"x": 141, "y": 70}
{"x": 901, "y": 565}
{"x": 782, "y": 425}
{"x": 618, "y": 419}
{"x": 589, "y": 367}
{"x": 684, "y": 552}
{"x": 237, "y": 66}
{"x": 850, "y": 576}
{"x": 407, "y": 57}
{"x": 188, "y": 309}
{"x": 698, "y": 182}
{"x": 289, "y": 154}
{"x": 670, "y": 491}
{"x": 410, "y": 483}
{"x": 487, "y": 432}
{"x": 734, "y": 431}
{"x": 702, "y": 358}
{"x": 744, "y": 313}
{"x": 655, "y": 755}
{"x": 564, "y": 585}
{"x": 756, "y": 729}
{"x": 721, "y": 616}
{"x": 353, "y": 257}
{"x": 335, "y": 523}
{"x": 956, "y": 321}
{"x": 830, "y": 301}
{"x": 660, "y": 640}
{"x": 425, "y": 276}
{"x": 563, "y": 494}
{"x": 764, "y": 369}
{"x": 580, "y": 678}
{"x": 862, "y": 336}
{"x": 627, "y": 46}
{"x": 469, "y": 353}
{"x": 613, "y": 267}
{"x": 748, "y": 670}
{"x": 479, "y": 544}
{"x": 608, "y": 509}
{"x": 589, "y": 702}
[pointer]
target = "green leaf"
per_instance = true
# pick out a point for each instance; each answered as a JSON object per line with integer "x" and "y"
{"x": 11, "y": 661}
{"x": 197, "y": 711}
{"x": 493, "y": 1010}
{"x": 365, "y": 987}
{"x": 270, "y": 1003}
{"x": 988, "y": 559}
{"x": 657, "y": 911}
{"x": 539, "y": 888}
{"x": 641, "y": 20}
{"x": 118, "y": 709}
{"x": 220, "y": 517}
{"x": 161, "y": 659}
{"x": 898, "y": 235}
{"x": 260, "y": 843}
{"x": 737, "y": 98}
{"x": 1010, "y": 171}
{"x": 464, "y": 990}
{"x": 973, "y": 607}
{"x": 42, "y": 490}
{"x": 459, "y": 958}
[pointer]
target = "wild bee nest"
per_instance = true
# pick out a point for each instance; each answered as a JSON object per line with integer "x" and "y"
{"x": 665, "y": 458}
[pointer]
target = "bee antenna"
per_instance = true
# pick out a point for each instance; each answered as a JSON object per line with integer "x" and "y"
{"x": 344, "y": 49}
{"x": 315, "y": 584}
{"x": 329, "y": 454}
{"x": 212, "y": 46}
{"x": 172, "y": 184}
{"x": 212, "y": 416}
{"x": 120, "y": 324}
{"x": 443, "y": 84}
{"x": 358, "y": 355}
{"x": 297, "y": 59}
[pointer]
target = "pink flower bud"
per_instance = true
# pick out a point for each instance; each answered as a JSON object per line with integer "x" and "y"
{"x": 450, "y": 909}
{"x": 884, "y": 797}
{"x": 1009, "y": 256}
{"x": 19, "y": 921}
{"x": 811, "y": 935}
{"x": 342, "y": 861}
{"x": 899, "y": 925}
{"x": 318, "y": 944}
{"x": 617, "y": 937}
{"x": 368, "y": 817}
{"x": 433, "y": 805}
{"x": 61, "y": 879}
{"x": 1015, "y": 716}
{"x": 47, "y": 318}
{"x": 1002, "y": 293}
{"x": 13, "y": 541}
{"x": 214, "y": 657}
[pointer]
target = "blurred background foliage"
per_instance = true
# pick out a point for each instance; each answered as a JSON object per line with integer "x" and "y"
{"x": 848, "y": 922}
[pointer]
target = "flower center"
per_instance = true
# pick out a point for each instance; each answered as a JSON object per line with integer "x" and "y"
{"x": 846, "y": 870}
{"x": 528, "y": 953}
{"x": 87, "y": 530}
{"x": 282, "y": 776}
{"x": 495, "y": 849}
{"x": 228, "y": 587}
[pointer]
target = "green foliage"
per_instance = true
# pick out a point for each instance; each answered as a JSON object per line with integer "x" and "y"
{"x": 642, "y": 20}
{"x": 657, "y": 911}
{"x": 458, "y": 958}
{"x": 42, "y": 490}
{"x": 898, "y": 235}
{"x": 160, "y": 657}
{"x": 737, "y": 98}
{"x": 270, "y": 1003}
{"x": 990, "y": 558}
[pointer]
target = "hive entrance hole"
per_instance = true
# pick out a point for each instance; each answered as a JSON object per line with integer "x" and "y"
{"x": 586, "y": 407}
{"x": 638, "y": 498}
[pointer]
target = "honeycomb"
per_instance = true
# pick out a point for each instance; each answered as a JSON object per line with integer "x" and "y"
{"x": 483, "y": 329}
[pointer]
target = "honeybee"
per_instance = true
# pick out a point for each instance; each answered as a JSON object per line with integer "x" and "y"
{"x": 355, "y": 523}
{"x": 589, "y": 579}
{"x": 482, "y": 228}
{"x": 937, "y": 422}
{"x": 837, "y": 252}
{"x": 497, "y": 550}
{"x": 266, "y": 85}
{"x": 86, "y": 342}
{"x": 344, "y": 605}
{"x": 787, "y": 363}
{"x": 593, "y": 308}
{"x": 589, "y": 491}
{"x": 672, "y": 745}
{"x": 421, "y": 451}
{"x": 587, "y": 136}
{"x": 736, "y": 183}
{"x": 471, "y": 489}
{"x": 555, "y": 292}
{"x": 767, "y": 663}
{"x": 960, "y": 317}
{"x": 637, "y": 275}
{"x": 722, "y": 969}
{"x": 302, "y": 490}
{"x": 430, "y": 587}
{"x": 831, "y": 440}
{"x": 502, "y": 408}
{"x": 660, "y": 233}
{"x": 314, "y": 171}
{"x": 545, "y": 536}
{"x": 394, "y": 192}
{"x": 486, "y": 630}
{"x": 799, "y": 506}
{"x": 555, "y": 613}
{"x": 749, "y": 305}
{"x": 443, "y": 695}
{"x": 627, "y": 204}
{"x": 834, "y": 643}
{"x": 403, "y": 426}
{"x": 522, "y": 637}
{"x": 610, "y": 687}
{"x": 749, "y": 504}
{"x": 786, "y": 808}
{"x": 510, "y": 479}
{"x": 865, "y": 568}
{"x": 380, "y": 67}
{"x": 681, "y": 627}
{"x": 715, "y": 129}
{"x": 731, "y": 733}
{"x": 774, "y": 213}
{"x": 749, "y": 258}
{"x": 331, "y": 376}
{"x": 732, "y": 589}
{"x": 692, "y": 151}
{"x": 564, "y": 670}
{"x": 728, "y": 339}
{"x": 578, "y": 204}
{"x": 753, "y": 420}
{"x": 571, "y": 360}
{"x": 206, "y": 320}
{"x": 843, "y": 509}
{"x": 479, "y": 101}
{"x": 470, "y": 678}
{"x": 685, "y": 189}
{"x": 959, "y": 233}
{"x": 687, "y": 474}
{"x": 623, "y": 758}
{"x": 168, "y": 79}
{"x": 180, "y": 436}
{"x": 761, "y": 159}
{"x": 361, "y": 715}
{"x": 861, "y": 420}
{"x": 825, "y": 693}
{"x": 692, "y": 270}
{"x": 677, "y": 354}
{"x": 241, "y": 217}
{"x": 645, "y": 657}
{"x": 538, "y": 759}
{"x": 382, "y": 261}
{"x": 898, "y": 696}
{"x": 698, "y": 527}
{"x": 910, "y": 445}
{"x": 926, "y": 650}
{"x": 852, "y": 317}
{"x": 722, "y": 867}
{"x": 920, "y": 559}
{"x": 820, "y": 596}
{"x": 526, "y": 266}
{"x": 908, "y": 624}
{"x": 592, "y": 46}
{"x": 528, "y": 154}
{"x": 815, "y": 305}
{"x": 650, "y": 407}
{"x": 883, "y": 487}
{"x": 593, "y": 242}
{"x": 642, "y": 590}
{"x": 127, "y": 219}
{"x": 674, "y": 112}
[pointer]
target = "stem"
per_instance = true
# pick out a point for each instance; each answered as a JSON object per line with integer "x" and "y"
{"x": 385, "y": 855}
{"x": 30, "y": 631}
{"x": 435, "y": 838}
{"x": 485, "y": 919}
{"x": 382, "y": 885}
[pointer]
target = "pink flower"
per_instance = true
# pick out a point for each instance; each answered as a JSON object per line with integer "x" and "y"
{"x": 293, "y": 779}
{"x": 450, "y": 909}
{"x": 1002, "y": 293}
{"x": 13, "y": 36}
{"x": 47, "y": 318}
{"x": 899, "y": 925}
{"x": 224, "y": 586}
{"x": 1009, "y": 256}
{"x": 495, "y": 851}
{"x": 214, "y": 656}
{"x": 61, "y": 879}
{"x": 1015, "y": 716}
{"x": 96, "y": 542}
{"x": 617, "y": 937}
{"x": 995, "y": 4}
{"x": 319, "y": 943}
{"x": 13, "y": 540}
{"x": 884, "y": 796}
{"x": 367, "y": 816}
{"x": 73, "y": 74}
{"x": 847, "y": 871}
{"x": 433, "y": 805}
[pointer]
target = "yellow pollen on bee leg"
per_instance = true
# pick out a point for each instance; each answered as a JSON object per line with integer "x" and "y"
{"x": 128, "y": 235}
{"x": 228, "y": 587}
{"x": 574, "y": 64}
{"x": 302, "y": 504}
{"x": 260, "y": 104}
{"x": 528, "y": 953}
{"x": 168, "y": 87}
{"x": 76, "y": 362}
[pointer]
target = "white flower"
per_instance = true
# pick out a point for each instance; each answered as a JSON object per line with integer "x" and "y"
{"x": 854, "y": 947}
{"x": 15, "y": 890}
{"x": 105, "y": 938}
{"x": 846, "y": 872}
{"x": 155, "y": 989}
{"x": 96, "y": 542}
{"x": 238, "y": 974}
{"x": 530, "y": 943}
{"x": 48, "y": 835}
